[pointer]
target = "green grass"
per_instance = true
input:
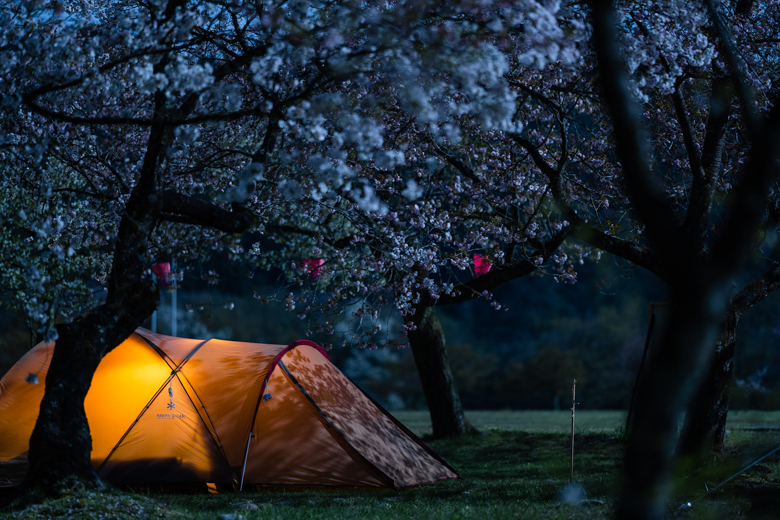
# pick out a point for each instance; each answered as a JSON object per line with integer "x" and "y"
{"x": 559, "y": 421}
{"x": 536, "y": 421}
{"x": 517, "y": 470}
{"x": 747, "y": 418}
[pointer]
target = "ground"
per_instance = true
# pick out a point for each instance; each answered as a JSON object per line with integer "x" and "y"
{"x": 519, "y": 468}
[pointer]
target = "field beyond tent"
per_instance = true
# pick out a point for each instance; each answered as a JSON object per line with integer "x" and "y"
{"x": 518, "y": 468}
{"x": 559, "y": 421}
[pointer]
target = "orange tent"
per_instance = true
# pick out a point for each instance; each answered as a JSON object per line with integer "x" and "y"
{"x": 173, "y": 411}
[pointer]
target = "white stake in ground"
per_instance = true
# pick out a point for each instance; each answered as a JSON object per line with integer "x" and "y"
{"x": 573, "y": 406}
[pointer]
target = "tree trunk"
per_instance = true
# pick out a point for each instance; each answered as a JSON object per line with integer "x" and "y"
{"x": 61, "y": 445}
{"x": 705, "y": 419}
{"x": 705, "y": 423}
{"x": 430, "y": 356}
{"x": 678, "y": 366}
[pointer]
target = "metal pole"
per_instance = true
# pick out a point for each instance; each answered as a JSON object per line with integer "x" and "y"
{"x": 573, "y": 406}
{"x": 246, "y": 455}
{"x": 641, "y": 369}
{"x": 174, "y": 285}
{"x": 173, "y": 312}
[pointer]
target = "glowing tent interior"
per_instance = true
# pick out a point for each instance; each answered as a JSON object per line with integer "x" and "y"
{"x": 214, "y": 413}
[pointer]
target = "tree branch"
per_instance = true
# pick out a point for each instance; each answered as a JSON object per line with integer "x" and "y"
{"x": 459, "y": 165}
{"x": 750, "y": 200}
{"x": 647, "y": 198}
{"x": 700, "y": 200}
{"x": 139, "y": 121}
{"x": 498, "y": 276}
{"x": 756, "y": 290}
{"x": 533, "y": 151}
{"x": 185, "y": 209}
{"x": 737, "y": 67}
{"x": 681, "y": 111}
{"x": 581, "y": 229}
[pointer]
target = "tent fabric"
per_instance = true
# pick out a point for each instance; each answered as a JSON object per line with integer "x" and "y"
{"x": 168, "y": 410}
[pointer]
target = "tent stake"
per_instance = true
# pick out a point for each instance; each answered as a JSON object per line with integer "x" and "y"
{"x": 573, "y": 406}
{"x": 243, "y": 470}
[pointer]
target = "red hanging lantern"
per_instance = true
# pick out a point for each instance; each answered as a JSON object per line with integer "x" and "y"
{"x": 163, "y": 273}
{"x": 314, "y": 268}
{"x": 481, "y": 264}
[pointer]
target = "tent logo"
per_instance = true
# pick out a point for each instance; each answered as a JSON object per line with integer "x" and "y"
{"x": 171, "y": 406}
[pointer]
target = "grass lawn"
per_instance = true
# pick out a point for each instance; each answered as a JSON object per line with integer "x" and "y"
{"x": 536, "y": 421}
{"x": 559, "y": 421}
{"x": 519, "y": 468}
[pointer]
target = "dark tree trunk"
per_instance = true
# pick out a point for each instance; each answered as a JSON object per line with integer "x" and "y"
{"x": 705, "y": 423}
{"x": 60, "y": 445}
{"x": 705, "y": 419}
{"x": 430, "y": 355}
{"x": 672, "y": 377}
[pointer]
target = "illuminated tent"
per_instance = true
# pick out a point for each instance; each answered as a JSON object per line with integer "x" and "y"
{"x": 174, "y": 411}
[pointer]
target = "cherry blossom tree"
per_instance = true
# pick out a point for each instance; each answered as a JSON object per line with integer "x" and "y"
{"x": 678, "y": 188}
{"x": 699, "y": 148}
{"x": 393, "y": 141}
{"x": 417, "y": 252}
{"x": 586, "y": 153}
{"x": 134, "y": 130}
{"x": 698, "y": 96}
{"x": 680, "y": 76}
{"x": 463, "y": 190}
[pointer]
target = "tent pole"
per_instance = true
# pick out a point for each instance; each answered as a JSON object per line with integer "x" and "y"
{"x": 246, "y": 455}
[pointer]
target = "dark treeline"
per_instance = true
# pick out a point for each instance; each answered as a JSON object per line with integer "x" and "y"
{"x": 593, "y": 331}
{"x": 526, "y": 357}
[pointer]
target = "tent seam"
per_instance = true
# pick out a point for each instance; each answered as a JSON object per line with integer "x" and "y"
{"x": 208, "y": 416}
{"x": 217, "y": 443}
{"x": 143, "y": 411}
{"x": 272, "y": 365}
{"x": 160, "y": 352}
{"x": 170, "y": 377}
